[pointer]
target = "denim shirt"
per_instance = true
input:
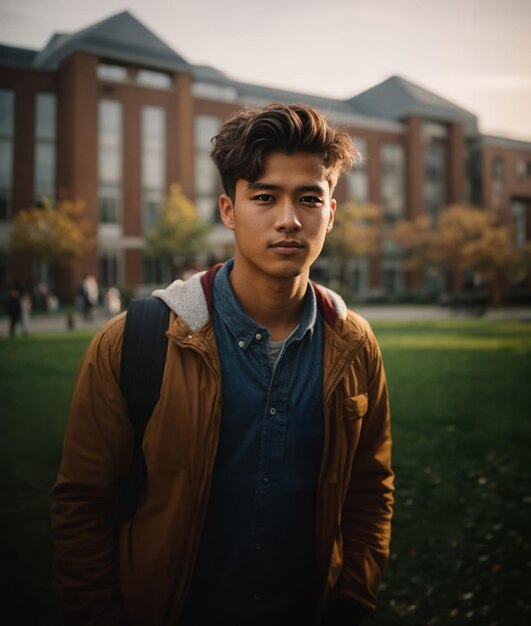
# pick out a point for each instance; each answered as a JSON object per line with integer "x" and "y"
{"x": 256, "y": 561}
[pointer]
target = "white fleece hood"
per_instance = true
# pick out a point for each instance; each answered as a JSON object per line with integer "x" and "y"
{"x": 187, "y": 299}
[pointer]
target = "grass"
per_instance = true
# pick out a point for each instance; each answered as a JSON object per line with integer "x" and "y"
{"x": 36, "y": 378}
{"x": 460, "y": 393}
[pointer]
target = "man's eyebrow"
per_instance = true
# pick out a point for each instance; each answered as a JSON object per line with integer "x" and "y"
{"x": 259, "y": 185}
{"x": 314, "y": 188}
{"x": 256, "y": 185}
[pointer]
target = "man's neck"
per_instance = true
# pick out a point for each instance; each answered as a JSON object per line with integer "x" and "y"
{"x": 274, "y": 303}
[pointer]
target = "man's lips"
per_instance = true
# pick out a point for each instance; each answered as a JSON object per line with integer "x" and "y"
{"x": 286, "y": 243}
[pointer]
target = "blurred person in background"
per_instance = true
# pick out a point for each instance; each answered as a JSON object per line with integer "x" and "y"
{"x": 89, "y": 293}
{"x": 42, "y": 296}
{"x": 25, "y": 311}
{"x": 14, "y": 308}
{"x": 113, "y": 301}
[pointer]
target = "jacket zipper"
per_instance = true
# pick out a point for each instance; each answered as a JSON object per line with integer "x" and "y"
{"x": 336, "y": 381}
{"x": 201, "y": 509}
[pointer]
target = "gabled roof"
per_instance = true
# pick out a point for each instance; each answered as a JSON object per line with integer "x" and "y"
{"x": 209, "y": 74}
{"x": 340, "y": 111}
{"x": 18, "y": 57}
{"x": 506, "y": 142}
{"x": 121, "y": 37}
{"x": 249, "y": 91}
{"x": 397, "y": 98}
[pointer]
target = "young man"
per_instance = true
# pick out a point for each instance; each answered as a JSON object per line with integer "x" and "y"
{"x": 269, "y": 489}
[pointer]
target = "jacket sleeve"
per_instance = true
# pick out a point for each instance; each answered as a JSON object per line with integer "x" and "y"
{"x": 96, "y": 454}
{"x": 367, "y": 509}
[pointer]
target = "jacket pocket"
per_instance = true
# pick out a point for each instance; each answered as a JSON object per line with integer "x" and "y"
{"x": 355, "y": 407}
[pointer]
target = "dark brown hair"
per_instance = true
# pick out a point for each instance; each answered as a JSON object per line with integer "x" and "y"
{"x": 245, "y": 140}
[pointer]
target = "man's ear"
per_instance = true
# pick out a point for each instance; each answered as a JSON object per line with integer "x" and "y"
{"x": 333, "y": 207}
{"x": 226, "y": 210}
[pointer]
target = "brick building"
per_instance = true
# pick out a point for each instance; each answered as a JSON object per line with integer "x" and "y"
{"x": 112, "y": 115}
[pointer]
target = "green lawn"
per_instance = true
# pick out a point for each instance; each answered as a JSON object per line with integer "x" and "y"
{"x": 36, "y": 377}
{"x": 461, "y": 400}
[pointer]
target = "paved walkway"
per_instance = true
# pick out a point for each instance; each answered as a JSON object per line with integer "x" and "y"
{"x": 56, "y": 322}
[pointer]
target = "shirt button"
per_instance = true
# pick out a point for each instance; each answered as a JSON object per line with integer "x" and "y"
{"x": 272, "y": 410}
{"x": 265, "y": 480}
{"x": 258, "y": 546}
{"x": 258, "y": 337}
{"x": 257, "y": 595}
{"x": 190, "y": 336}
{"x": 241, "y": 344}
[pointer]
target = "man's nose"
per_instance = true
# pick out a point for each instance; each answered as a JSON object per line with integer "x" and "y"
{"x": 287, "y": 217}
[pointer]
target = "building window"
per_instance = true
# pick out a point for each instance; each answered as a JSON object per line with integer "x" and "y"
{"x": 497, "y": 184}
{"x": 392, "y": 163}
{"x": 109, "y": 268}
{"x": 434, "y": 281}
{"x": 473, "y": 173}
{"x": 112, "y": 73}
{"x": 392, "y": 277}
{"x": 153, "y": 164}
{"x": 523, "y": 168}
{"x": 4, "y": 269}
{"x": 519, "y": 215}
{"x": 360, "y": 277}
{"x": 435, "y": 138}
{"x": 7, "y": 123}
{"x": 157, "y": 80}
{"x": 212, "y": 91}
{"x": 156, "y": 272}
{"x": 357, "y": 180}
{"x": 110, "y": 161}
{"x": 45, "y": 139}
{"x": 206, "y": 176}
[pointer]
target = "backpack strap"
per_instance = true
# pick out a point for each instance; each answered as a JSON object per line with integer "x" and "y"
{"x": 142, "y": 367}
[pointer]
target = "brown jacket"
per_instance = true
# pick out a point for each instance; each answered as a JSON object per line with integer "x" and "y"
{"x": 138, "y": 572}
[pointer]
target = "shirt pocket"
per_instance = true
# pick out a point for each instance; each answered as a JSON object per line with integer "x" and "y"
{"x": 355, "y": 407}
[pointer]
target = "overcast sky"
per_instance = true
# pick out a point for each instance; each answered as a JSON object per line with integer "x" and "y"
{"x": 476, "y": 53}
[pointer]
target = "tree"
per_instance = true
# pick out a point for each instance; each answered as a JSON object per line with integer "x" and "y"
{"x": 356, "y": 233}
{"x": 52, "y": 235}
{"x": 464, "y": 239}
{"x": 180, "y": 233}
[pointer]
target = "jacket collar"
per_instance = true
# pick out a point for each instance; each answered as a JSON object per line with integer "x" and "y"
{"x": 192, "y": 300}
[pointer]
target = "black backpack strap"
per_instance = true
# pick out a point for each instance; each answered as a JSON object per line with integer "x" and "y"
{"x": 142, "y": 367}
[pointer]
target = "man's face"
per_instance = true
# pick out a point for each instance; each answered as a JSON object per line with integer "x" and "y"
{"x": 281, "y": 220}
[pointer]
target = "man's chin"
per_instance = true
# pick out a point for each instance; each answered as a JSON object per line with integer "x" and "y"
{"x": 288, "y": 273}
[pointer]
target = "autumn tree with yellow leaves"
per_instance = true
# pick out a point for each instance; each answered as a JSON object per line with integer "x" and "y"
{"x": 464, "y": 239}
{"x": 180, "y": 233}
{"x": 53, "y": 235}
{"x": 357, "y": 232}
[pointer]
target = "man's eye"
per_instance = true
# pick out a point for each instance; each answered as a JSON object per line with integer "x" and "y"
{"x": 311, "y": 200}
{"x": 264, "y": 197}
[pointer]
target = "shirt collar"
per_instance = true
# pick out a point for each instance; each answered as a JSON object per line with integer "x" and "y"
{"x": 242, "y": 327}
